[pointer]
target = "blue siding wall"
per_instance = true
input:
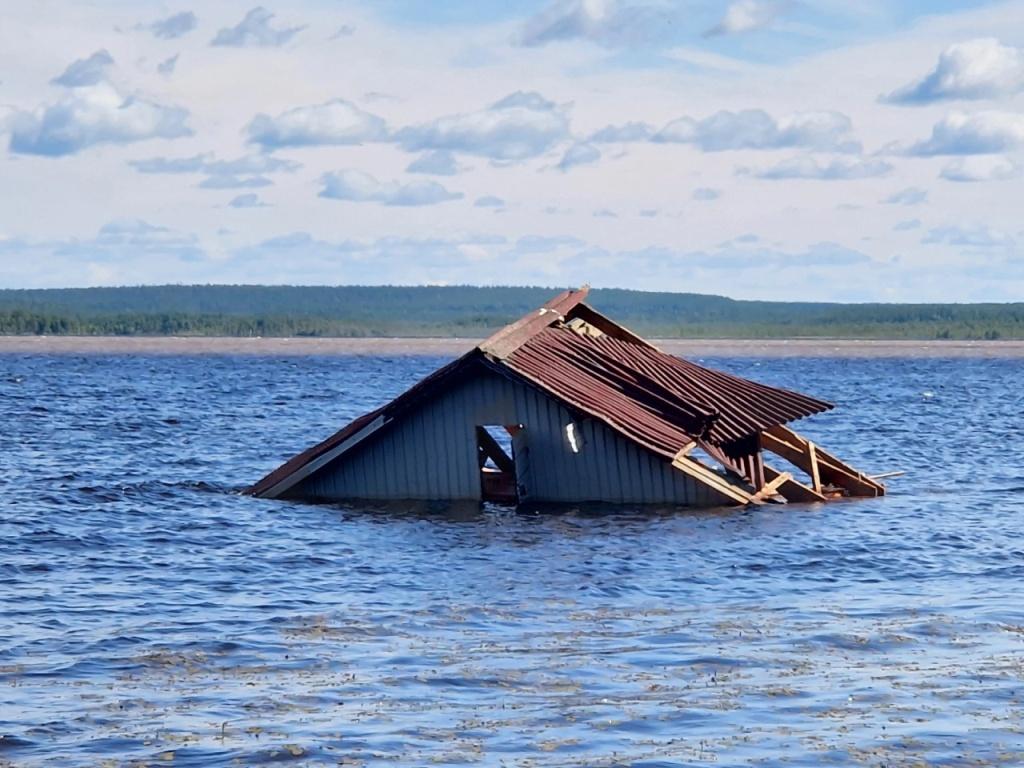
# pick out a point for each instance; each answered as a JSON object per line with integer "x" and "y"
{"x": 431, "y": 454}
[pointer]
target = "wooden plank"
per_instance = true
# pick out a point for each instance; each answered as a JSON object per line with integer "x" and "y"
{"x": 489, "y": 449}
{"x": 896, "y": 473}
{"x": 713, "y": 480}
{"x": 792, "y": 490}
{"x": 309, "y": 468}
{"x": 773, "y": 485}
{"x": 793, "y": 448}
{"x": 812, "y": 454}
{"x": 685, "y": 450}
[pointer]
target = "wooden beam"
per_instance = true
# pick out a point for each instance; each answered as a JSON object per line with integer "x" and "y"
{"x": 772, "y": 486}
{"x": 812, "y": 454}
{"x": 792, "y": 490}
{"x": 489, "y": 448}
{"x": 794, "y": 449}
{"x": 685, "y": 450}
{"x": 713, "y": 480}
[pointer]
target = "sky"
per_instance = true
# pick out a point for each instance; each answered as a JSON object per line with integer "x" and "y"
{"x": 759, "y": 149}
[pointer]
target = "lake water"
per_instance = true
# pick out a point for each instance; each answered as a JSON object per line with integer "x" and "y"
{"x": 150, "y": 615}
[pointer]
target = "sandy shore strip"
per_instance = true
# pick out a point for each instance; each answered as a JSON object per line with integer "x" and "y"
{"x": 180, "y": 345}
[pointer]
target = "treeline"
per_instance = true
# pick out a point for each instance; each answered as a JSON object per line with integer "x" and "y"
{"x": 469, "y": 311}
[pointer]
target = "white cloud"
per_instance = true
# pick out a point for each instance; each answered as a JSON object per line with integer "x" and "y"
{"x": 975, "y": 69}
{"x": 626, "y": 132}
{"x": 334, "y": 122}
{"x": 520, "y": 126}
{"x": 908, "y": 196}
{"x": 440, "y": 162}
{"x": 907, "y": 225}
{"x": 85, "y": 72}
{"x": 361, "y": 187}
{"x": 747, "y": 16}
{"x": 976, "y": 133}
{"x": 93, "y": 115}
{"x": 578, "y": 154}
{"x": 232, "y": 181}
{"x": 205, "y": 163}
{"x": 606, "y": 22}
{"x": 174, "y": 26}
{"x": 166, "y": 67}
{"x": 982, "y": 168}
{"x": 255, "y": 30}
{"x": 970, "y": 236}
{"x": 247, "y": 200}
{"x": 193, "y": 164}
{"x": 756, "y": 129}
{"x": 489, "y": 201}
{"x": 706, "y": 193}
{"x": 837, "y": 169}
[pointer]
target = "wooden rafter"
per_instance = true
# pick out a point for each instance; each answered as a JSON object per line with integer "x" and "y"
{"x": 821, "y": 465}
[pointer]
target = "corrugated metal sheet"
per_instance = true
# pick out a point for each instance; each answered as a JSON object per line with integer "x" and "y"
{"x": 656, "y": 399}
{"x": 431, "y": 454}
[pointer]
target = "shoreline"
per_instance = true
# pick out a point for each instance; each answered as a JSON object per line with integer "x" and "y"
{"x": 451, "y": 347}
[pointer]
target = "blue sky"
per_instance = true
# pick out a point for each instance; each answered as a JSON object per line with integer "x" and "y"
{"x": 772, "y": 149}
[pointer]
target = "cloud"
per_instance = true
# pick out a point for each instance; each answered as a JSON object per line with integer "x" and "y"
{"x": 605, "y": 22}
{"x": 649, "y": 213}
{"x": 85, "y": 72}
{"x": 345, "y": 30}
{"x": 706, "y": 193}
{"x": 251, "y": 164}
{"x": 837, "y": 169}
{"x": 824, "y": 254}
{"x": 962, "y": 133}
{"x": 578, "y": 154}
{"x": 94, "y": 115}
{"x": 975, "y": 69}
{"x": 124, "y": 251}
{"x": 440, "y": 162}
{"x": 246, "y": 165}
{"x": 974, "y": 236}
{"x": 908, "y": 196}
{"x": 194, "y": 164}
{"x": 906, "y": 226}
{"x": 247, "y": 200}
{"x": 333, "y": 122}
{"x": 982, "y": 168}
{"x": 747, "y": 16}
{"x": 649, "y": 265}
{"x": 361, "y": 187}
{"x": 626, "y": 132}
{"x": 166, "y": 67}
{"x": 174, "y": 26}
{"x": 489, "y": 201}
{"x": 255, "y": 30}
{"x": 520, "y": 126}
{"x": 605, "y": 213}
{"x": 756, "y": 129}
{"x": 231, "y": 181}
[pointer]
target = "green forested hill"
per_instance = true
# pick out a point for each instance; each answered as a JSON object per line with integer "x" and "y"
{"x": 253, "y": 310}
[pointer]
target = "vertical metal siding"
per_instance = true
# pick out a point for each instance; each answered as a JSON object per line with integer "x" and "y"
{"x": 431, "y": 454}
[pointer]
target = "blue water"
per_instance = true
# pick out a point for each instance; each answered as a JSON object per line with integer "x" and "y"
{"x": 153, "y": 616}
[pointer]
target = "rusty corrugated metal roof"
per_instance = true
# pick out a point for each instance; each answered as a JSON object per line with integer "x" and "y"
{"x": 656, "y": 399}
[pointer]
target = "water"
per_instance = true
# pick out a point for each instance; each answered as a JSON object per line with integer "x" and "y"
{"x": 152, "y": 616}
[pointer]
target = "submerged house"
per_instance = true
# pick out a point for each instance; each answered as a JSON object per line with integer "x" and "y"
{"x": 564, "y": 405}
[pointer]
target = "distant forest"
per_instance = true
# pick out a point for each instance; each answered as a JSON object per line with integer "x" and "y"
{"x": 468, "y": 311}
